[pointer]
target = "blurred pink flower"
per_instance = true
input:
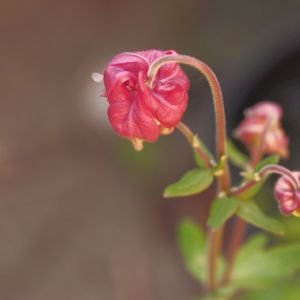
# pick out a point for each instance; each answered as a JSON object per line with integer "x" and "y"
{"x": 135, "y": 111}
{"x": 263, "y": 121}
{"x": 287, "y": 195}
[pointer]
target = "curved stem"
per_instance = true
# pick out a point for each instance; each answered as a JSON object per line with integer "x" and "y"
{"x": 215, "y": 243}
{"x": 221, "y": 137}
{"x": 267, "y": 170}
{"x": 280, "y": 170}
{"x": 191, "y": 139}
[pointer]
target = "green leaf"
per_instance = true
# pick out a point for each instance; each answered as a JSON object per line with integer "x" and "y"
{"x": 237, "y": 158}
{"x": 254, "y": 244}
{"x": 270, "y": 160}
{"x": 286, "y": 259}
{"x": 199, "y": 161}
{"x": 273, "y": 159}
{"x": 222, "y": 209}
{"x": 262, "y": 267}
{"x": 222, "y": 293}
{"x": 287, "y": 290}
{"x": 251, "y": 192}
{"x": 193, "y": 182}
{"x": 250, "y": 263}
{"x": 292, "y": 227}
{"x": 251, "y": 213}
{"x": 191, "y": 241}
{"x": 193, "y": 247}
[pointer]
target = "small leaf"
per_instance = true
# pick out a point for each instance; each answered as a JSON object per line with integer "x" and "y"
{"x": 222, "y": 209}
{"x": 191, "y": 241}
{"x": 237, "y": 158}
{"x": 251, "y": 213}
{"x": 193, "y": 182}
{"x": 270, "y": 160}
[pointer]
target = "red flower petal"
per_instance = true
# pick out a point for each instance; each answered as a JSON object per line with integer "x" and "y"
{"x": 263, "y": 119}
{"x": 135, "y": 111}
{"x": 287, "y": 197}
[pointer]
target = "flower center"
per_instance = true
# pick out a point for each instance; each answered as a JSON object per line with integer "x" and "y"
{"x": 130, "y": 85}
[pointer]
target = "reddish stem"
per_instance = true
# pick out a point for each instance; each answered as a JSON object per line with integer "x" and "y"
{"x": 267, "y": 170}
{"x": 206, "y": 71}
{"x": 224, "y": 179}
{"x": 191, "y": 139}
{"x": 240, "y": 225}
{"x": 237, "y": 236}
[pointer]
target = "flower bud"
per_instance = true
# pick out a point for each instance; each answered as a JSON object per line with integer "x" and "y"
{"x": 262, "y": 124}
{"x": 137, "y": 112}
{"x": 287, "y": 195}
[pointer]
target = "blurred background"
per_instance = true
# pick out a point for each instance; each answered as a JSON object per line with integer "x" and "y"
{"x": 81, "y": 213}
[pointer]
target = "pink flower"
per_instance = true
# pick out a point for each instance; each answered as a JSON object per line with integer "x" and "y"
{"x": 263, "y": 121}
{"x": 287, "y": 195}
{"x": 135, "y": 111}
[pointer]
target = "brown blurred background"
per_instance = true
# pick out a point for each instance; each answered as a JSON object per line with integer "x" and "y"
{"x": 81, "y": 214}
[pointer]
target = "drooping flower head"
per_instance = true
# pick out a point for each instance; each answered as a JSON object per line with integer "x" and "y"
{"x": 262, "y": 123}
{"x": 288, "y": 195}
{"x": 137, "y": 112}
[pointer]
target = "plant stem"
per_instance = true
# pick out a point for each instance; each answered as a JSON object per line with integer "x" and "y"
{"x": 267, "y": 170}
{"x": 185, "y": 130}
{"x": 205, "y": 70}
{"x": 237, "y": 236}
{"x": 240, "y": 225}
{"x": 215, "y": 243}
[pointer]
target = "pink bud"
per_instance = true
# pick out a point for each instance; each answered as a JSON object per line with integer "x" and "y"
{"x": 135, "y": 111}
{"x": 287, "y": 195}
{"x": 263, "y": 121}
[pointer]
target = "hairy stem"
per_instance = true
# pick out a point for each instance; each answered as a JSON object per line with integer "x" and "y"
{"x": 215, "y": 241}
{"x": 221, "y": 137}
